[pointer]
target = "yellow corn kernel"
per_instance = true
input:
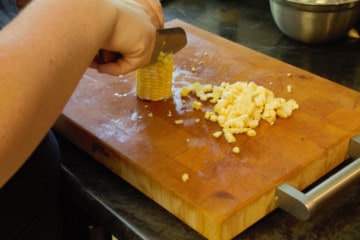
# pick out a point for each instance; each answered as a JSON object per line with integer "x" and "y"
{"x": 229, "y": 137}
{"x": 185, "y": 177}
{"x": 208, "y": 115}
{"x": 213, "y": 118}
{"x": 236, "y": 150}
{"x": 289, "y": 88}
{"x": 239, "y": 107}
{"x": 179, "y": 121}
{"x": 154, "y": 82}
{"x": 217, "y": 134}
{"x": 196, "y": 105}
{"x": 251, "y": 132}
{"x": 184, "y": 91}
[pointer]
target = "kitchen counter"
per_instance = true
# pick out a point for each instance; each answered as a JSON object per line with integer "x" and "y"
{"x": 128, "y": 214}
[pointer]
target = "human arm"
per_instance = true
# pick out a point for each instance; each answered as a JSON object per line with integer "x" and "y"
{"x": 43, "y": 54}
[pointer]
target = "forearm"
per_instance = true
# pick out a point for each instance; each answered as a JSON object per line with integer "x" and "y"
{"x": 41, "y": 62}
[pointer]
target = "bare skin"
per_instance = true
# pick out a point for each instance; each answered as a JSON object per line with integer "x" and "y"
{"x": 43, "y": 54}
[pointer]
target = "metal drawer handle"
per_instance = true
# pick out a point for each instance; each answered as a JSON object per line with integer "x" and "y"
{"x": 303, "y": 205}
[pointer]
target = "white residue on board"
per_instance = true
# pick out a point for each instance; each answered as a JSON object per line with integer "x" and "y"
{"x": 196, "y": 142}
{"x": 120, "y": 95}
{"x": 120, "y": 129}
{"x": 134, "y": 116}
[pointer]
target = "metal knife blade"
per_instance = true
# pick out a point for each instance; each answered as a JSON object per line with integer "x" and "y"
{"x": 168, "y": 40}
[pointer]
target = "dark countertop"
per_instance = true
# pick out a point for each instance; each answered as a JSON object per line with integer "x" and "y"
{"x": 129, "y": 214}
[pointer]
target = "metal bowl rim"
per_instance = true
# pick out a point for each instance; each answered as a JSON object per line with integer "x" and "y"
{"x": 302, "y": 5}
{"x": 321, "y": 2}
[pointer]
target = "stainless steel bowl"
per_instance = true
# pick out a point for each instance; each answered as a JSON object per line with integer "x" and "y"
{"x": 315, "y": 21}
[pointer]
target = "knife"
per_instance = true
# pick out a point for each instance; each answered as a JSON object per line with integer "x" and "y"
{"x": 168, "y": 40}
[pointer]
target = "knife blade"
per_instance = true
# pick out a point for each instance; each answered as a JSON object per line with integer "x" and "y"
{"x": 168, "y": 40}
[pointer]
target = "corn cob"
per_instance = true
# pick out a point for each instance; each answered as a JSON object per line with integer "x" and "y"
{"x": 154, "y": 82}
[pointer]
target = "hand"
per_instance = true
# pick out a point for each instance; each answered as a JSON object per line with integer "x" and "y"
{"x": 135, "y": 36}
{"x": 154, "y": 10}
{"x": 67, "y": 34}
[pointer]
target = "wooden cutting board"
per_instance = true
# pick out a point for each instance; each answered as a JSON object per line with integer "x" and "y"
{"x": 226, "y": 192}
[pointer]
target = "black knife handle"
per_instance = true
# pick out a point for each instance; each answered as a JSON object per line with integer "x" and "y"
{"x": 105, "y": 56}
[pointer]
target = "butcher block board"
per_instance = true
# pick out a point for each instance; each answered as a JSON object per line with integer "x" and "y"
{"x": 226, "y": 192}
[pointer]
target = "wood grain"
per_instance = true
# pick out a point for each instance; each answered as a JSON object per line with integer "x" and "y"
{"x": 226, "y": 192}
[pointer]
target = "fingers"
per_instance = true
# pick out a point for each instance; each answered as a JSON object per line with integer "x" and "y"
{"x": 137, "y": 54}
{"x": 121, "y": 66}
{"x": 133, "y": 36}
{"x": 118, "y": 68}
{"x": 154, "y": 10}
